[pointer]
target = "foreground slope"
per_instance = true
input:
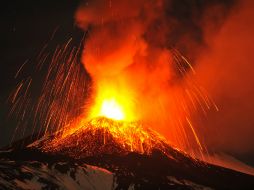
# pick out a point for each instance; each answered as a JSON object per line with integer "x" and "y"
{"x": 105, "y": 154}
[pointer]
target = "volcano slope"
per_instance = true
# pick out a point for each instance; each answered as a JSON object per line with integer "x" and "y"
{"x": 106, "y": 154}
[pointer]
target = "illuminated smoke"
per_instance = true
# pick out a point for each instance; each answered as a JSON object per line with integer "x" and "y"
{"x": 132, "y": 54}
{"x": 141, "y": 55}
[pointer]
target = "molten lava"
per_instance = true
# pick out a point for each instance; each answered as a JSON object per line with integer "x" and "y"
{"x": 105, "y": 136}
{"x": 110, "y": 128}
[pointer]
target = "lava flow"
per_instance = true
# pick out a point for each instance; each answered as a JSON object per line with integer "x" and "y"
{"x": 105, "y": 136}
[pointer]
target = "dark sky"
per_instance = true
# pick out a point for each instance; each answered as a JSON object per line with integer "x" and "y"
{"x": 26, "y": 26}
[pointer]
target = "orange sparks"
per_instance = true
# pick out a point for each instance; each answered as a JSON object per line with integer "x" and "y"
{"x": 125, "y": 99}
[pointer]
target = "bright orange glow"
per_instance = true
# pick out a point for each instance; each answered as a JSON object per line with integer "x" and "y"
{"x": 113, "y": 101}
{"x": 111, "y": 109}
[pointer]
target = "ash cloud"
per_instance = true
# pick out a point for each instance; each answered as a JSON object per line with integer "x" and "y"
{"x": 187, "y": 19}
{"x": 165, "y": 23}
{"x": 226, "y": 71}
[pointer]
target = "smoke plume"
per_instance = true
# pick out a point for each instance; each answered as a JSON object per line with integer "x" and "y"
{"x": 130, "y": 50}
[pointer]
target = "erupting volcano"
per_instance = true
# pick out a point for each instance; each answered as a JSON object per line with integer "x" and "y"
{"x": 122, "y": 109}
{"x": 107, "y": 132}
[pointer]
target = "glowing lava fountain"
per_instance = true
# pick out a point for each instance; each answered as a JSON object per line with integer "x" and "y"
{"x": 113, "y": 99}
{"x": 107, "y": 131}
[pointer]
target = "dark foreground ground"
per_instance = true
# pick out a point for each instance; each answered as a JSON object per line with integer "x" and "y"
{"x": 27, "y": 167}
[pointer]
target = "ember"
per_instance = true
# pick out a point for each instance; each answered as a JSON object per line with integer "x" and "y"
{"x": 105, "y": 136}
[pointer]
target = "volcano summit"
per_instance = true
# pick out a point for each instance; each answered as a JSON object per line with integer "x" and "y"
{"x": 103, "y": 136}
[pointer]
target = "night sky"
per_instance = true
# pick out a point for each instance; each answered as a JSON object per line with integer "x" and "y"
{"x": 25, "y": 29}
{"x": 26, "y": 26}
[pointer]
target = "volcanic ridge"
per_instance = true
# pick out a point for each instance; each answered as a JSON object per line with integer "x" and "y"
{"x": 108, "y": 154}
